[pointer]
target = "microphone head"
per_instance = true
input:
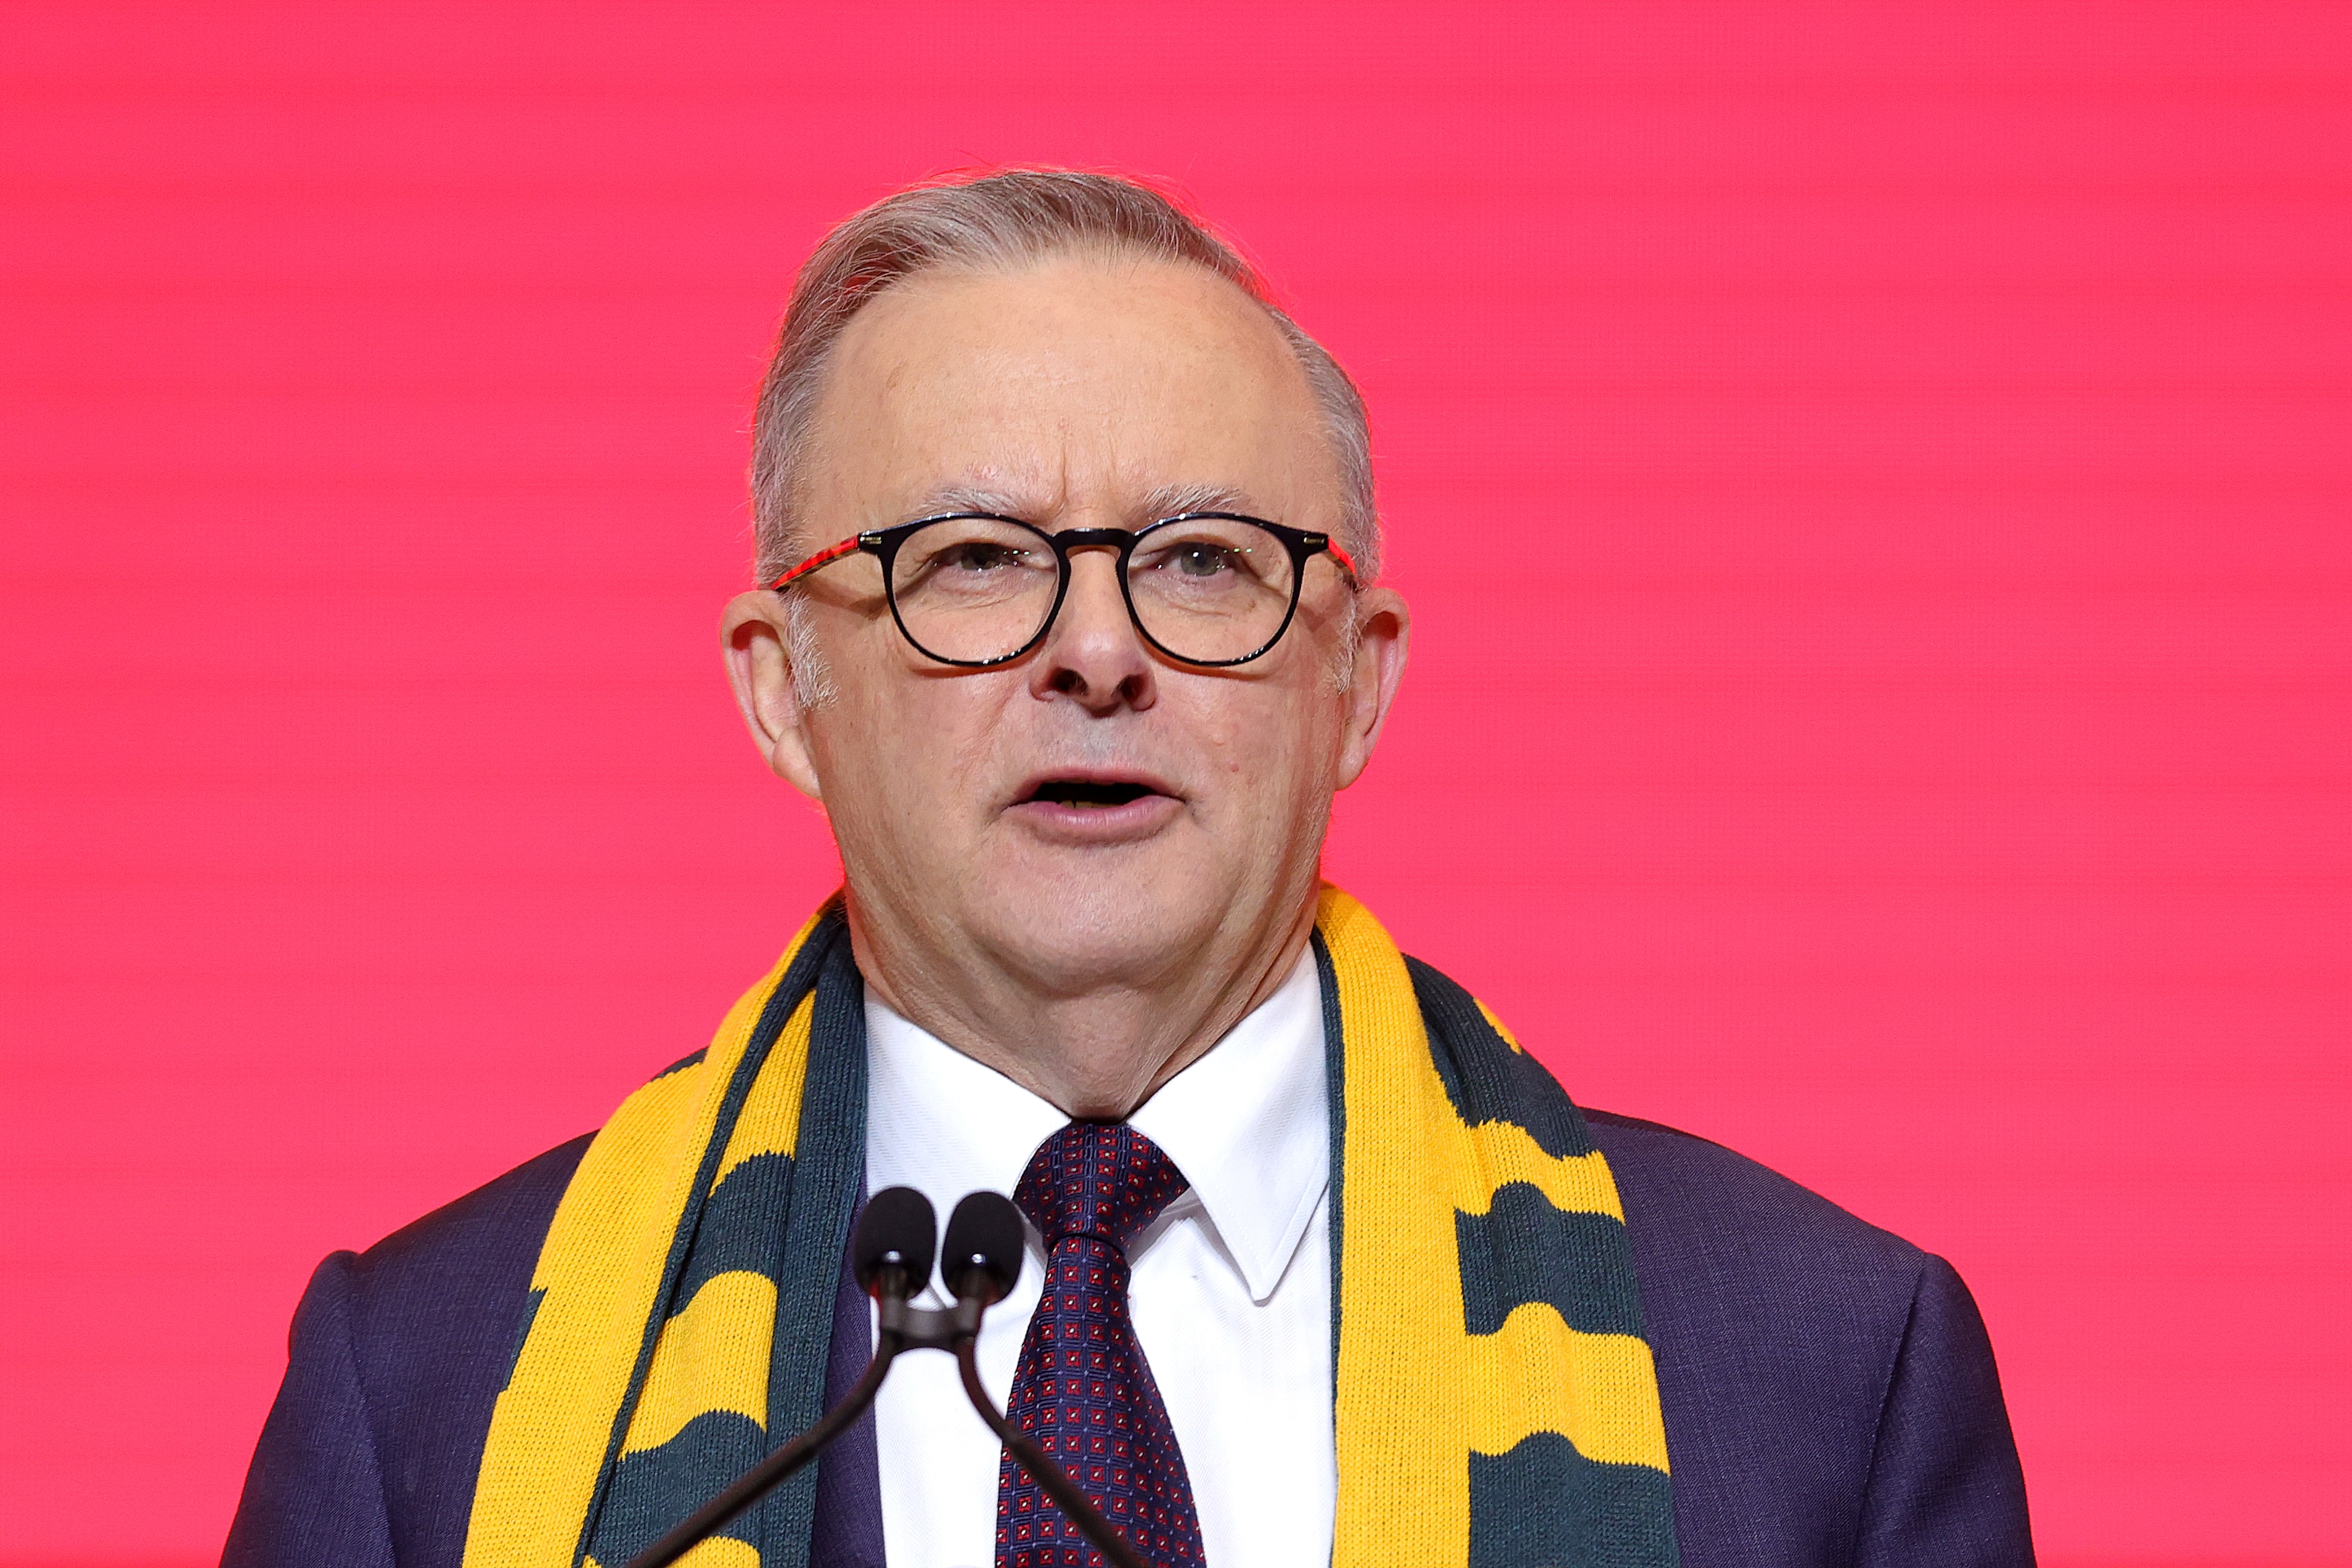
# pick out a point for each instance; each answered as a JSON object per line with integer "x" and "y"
{"x": 981, "y": 1254}
{"x": 895, "y": 1236}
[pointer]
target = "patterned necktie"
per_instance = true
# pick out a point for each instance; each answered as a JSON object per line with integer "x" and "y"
{"x": 1083, "y": 1392}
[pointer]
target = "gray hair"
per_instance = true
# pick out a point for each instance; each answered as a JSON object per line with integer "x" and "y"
{"x": 1003, "y": 221}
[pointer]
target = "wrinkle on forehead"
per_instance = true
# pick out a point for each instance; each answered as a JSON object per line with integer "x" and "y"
{"x": 1171, "y": 500}
{"x": 1170, "y": 392}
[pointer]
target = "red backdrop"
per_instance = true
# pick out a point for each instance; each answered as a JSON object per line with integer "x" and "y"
{"x": 1873, "y": 480}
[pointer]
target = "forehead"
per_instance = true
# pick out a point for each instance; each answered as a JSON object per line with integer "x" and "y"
{"x": 1074, "y": 381}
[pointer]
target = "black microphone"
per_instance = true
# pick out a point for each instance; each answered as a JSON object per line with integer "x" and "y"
{"x": 981, "y": 1254}
{"x": 890, "y": 1256}
{"x": 982, "y": 1260}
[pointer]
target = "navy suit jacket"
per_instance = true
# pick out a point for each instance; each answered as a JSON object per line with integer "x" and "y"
{"x": 1829, "y": 1392}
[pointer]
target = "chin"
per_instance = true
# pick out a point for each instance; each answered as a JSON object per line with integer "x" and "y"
{"x": 1077, "y": 928}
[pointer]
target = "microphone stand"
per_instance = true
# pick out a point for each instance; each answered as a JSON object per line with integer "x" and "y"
{"x": 755, "y": 1483}
{"x": 985, "y": 1239}
{"x": 1047, "y": 1474}
{"x": 903, "y": 1327}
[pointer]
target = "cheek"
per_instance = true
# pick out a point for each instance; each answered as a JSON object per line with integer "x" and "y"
{"x": 920, "y": 746}
{"x": 1273, "y": 760}
{"x": 864, "y": 744}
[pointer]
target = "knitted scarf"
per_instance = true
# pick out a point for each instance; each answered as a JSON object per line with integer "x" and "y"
{"x": 1497, "y": 1403}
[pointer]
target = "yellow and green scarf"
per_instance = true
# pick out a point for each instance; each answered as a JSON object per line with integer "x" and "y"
{"x": 1496, "y": 1402}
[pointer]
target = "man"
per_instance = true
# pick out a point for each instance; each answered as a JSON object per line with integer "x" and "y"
{"x": 1072, "y": 627}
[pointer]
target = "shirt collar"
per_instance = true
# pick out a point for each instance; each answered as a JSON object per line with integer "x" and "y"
{"x": 1248, "y": 1124}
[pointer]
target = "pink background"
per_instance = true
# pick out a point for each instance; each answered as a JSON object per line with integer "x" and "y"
{"x": 1909, "y": 742}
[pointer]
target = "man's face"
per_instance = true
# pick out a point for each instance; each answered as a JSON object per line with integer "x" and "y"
{"x": 1092, "y": 812}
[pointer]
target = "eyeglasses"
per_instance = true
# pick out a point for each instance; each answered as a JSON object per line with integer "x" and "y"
{"x": 973, "y": 589}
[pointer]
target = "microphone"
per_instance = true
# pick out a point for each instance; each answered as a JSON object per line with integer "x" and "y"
{"x": 982, "y": 1259}
{"x": 890, "y": 1256}
{"x": 981, "y": 1254}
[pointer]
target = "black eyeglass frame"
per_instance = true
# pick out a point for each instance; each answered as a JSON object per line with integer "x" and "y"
{"x": 884, "y": 543}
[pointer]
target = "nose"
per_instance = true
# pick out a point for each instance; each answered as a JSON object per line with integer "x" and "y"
{"x": 1093, "y": 656}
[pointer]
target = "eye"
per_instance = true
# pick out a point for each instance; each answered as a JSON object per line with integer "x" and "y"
{"x": 979, "y": 555}
{"x": 1198, "y": 558}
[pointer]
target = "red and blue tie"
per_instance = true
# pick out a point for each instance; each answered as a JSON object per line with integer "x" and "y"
{"x": 1083, "y": 1392}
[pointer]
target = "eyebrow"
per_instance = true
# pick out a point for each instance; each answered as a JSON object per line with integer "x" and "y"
{"x": 1174, "y": 500}
{"x": 1163, "y": 500}
{"x": 945, "y": 499}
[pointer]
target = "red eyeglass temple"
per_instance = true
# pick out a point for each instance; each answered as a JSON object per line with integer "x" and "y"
{"x": 849, "y": 547}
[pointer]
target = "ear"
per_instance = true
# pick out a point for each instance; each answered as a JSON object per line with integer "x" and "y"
{"x": 1383, "y": 631}
{"x": 756, "y": 639}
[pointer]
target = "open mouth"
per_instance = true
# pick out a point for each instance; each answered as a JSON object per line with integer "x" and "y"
{"x": 1087, "y": 794}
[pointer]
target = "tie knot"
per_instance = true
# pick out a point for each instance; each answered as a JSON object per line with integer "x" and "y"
{"x": 1097, "y": 1178}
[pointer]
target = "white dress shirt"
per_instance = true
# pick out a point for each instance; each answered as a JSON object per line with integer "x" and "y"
{"x": 1231, "y": 1292}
